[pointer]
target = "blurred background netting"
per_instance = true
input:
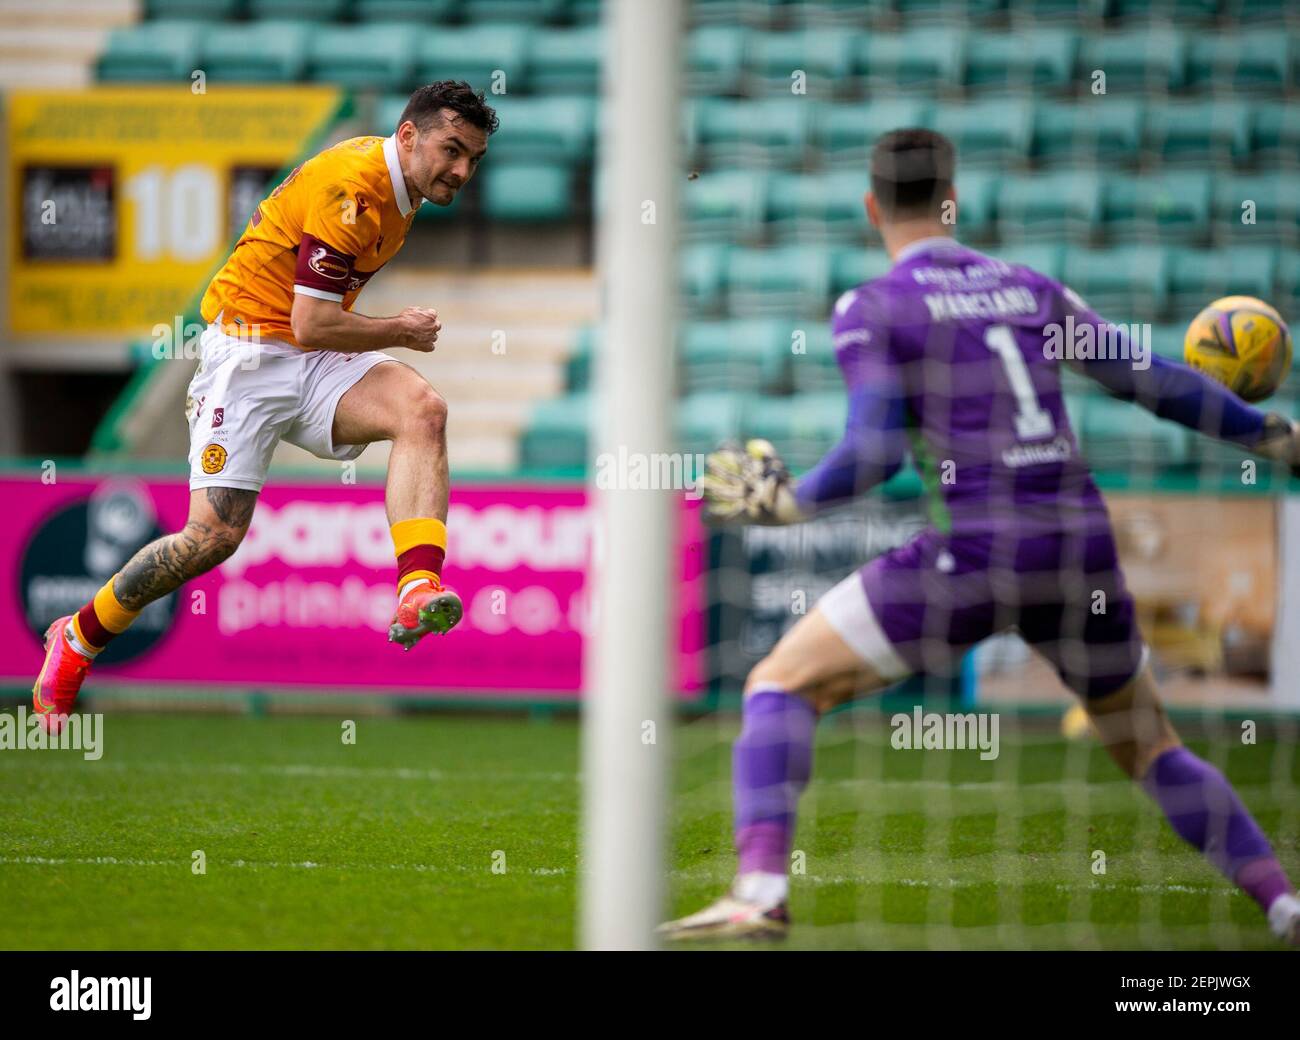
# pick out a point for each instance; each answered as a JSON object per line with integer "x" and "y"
{"x": 1109, "y": 144}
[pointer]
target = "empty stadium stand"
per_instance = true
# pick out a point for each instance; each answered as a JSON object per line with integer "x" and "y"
{"x": 1152, "y": 164}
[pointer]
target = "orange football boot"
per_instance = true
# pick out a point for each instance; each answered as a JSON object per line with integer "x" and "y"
{"x": 427, "y": 607}
{"x": 61, "y": 677}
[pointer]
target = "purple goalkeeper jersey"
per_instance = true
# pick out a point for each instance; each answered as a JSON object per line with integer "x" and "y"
{"x": 960, "y": 353}
{"x": 962, "y": 339}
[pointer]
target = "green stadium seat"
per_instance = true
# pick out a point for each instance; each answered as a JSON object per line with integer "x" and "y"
{"x": 300, "y": 10}
{"x": 252, "y": 52}
{"x": 1287, "y": 294}
{"x": 566, "y": 61}
{"x": 207, "y": 10}
{"x": 585, "y": 12}
{"x": 1029, "y": 59}
{"x": 747, "y": 355}
{"x": 825, "y": 56}
{"x": 528, "y": 192}
{"x": 1124, "y": 283}
{"x": 815, "y": 371}
{"x": 1152, "y": 59}
{"x": 956, "y": 11}
{"x": 1171, "y": 206}
{"x": 1253, "y": 12}
{"x": 1199, "y": 132}
{"x": 1073, "y": 11}
{"x": 976, "y": 204}
{"x": 475, "y": 53}
{"x": 377, "y": 55}
{"x": 422, "y": 12}
{"x": 819, "y": 206}
{"x": 989, "y": 132}
{"x": 1200, "y": 276}
{"x": 543, "y": 128}
{"x": 843, "y": 14}
{"x": 514, "y": 12}
{"x": 703, "y": 421}
{"x": 1044, "y": 257}
{"x": 557, "y": 433}
{"x": 918, "y": 58}
{"x": 1256, "y": 60}
{"x": 1076, "y": 389}
{"x": 151, "y": 52}
{"x": 1090, "y": 131}
{"x": 703, "y": 276}
{"x": 577, "y": 369}
{"x": 1275, "y": 199}
{"x": 1167, "y": 341}
{"x": 847, "y": 131}
{"x": 715, "y": 59}
{"x": 1119, "y": 436}
{"x": 728, "y": 204}
{"x": 758, "y": 13}
{"x": 766, "y": 132}
{"x": 851, "y": 267}
{"x": 1184, "y": 12}
{"x": 782, "y": 281}
{"x": 388, "y": 109}
{"x": 1277, "y": 130}
{"x": 803, "y": 427}
{"x": 1040, "y": 206}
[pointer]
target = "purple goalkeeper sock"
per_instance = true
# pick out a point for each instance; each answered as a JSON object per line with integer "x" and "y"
{"x": 1205, "y": 811}
{"x": 771, "y": 761}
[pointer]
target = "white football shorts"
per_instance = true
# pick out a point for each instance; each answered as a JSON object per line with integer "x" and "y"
{"x": 848, "y": 611}
{"x": 245, "y": 398}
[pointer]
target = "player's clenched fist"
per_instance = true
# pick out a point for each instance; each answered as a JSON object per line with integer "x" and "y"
{"x": 418, "y": 328}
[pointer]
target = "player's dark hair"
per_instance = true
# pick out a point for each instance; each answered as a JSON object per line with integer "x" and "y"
{"x": 427, "y": 104}
{"x": 911, "y": 172}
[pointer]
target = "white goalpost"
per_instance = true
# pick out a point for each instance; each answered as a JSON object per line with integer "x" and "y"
{"x": 626, "y": 712}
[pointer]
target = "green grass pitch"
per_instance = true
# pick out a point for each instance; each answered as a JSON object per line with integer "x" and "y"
{"x": 441, "y": 831}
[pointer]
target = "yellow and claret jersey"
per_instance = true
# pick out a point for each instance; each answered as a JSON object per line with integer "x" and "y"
{"x": 329, "y": 226}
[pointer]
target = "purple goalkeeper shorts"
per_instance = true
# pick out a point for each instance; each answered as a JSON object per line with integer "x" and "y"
{"x": 938, "y": 595}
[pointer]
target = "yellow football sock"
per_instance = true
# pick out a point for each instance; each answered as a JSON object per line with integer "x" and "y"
{"x": 102, "y": 618}
{"x": 421, "y": 545}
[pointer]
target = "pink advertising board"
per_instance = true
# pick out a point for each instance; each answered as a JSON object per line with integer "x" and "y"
{"x": 306, "y": 600}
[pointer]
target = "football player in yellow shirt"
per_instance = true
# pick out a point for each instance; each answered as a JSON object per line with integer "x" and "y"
{"x": 284, "y": 357}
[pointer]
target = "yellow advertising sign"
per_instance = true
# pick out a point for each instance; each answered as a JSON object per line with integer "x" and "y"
{"x": 128, "y": 197}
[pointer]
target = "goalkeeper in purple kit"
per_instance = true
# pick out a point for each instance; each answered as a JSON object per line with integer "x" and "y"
{"x": 949, "y": 356}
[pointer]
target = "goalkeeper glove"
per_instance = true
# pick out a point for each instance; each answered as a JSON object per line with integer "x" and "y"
{"x": 749, "y": 486}
{"x": 1280, "y": 441}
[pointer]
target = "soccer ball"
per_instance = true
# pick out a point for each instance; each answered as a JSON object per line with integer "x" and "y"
{"x": 1243, "y": 343}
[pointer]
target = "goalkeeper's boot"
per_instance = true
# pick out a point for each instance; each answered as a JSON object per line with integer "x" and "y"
{"x": 1284, "y": 918}
{"x": 60, "y": 679}
{"x": 427, "y": 607}
{"x": 730, "y": 918}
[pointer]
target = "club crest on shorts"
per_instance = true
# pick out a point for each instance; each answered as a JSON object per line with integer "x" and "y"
{"x": 214, "y": 459}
